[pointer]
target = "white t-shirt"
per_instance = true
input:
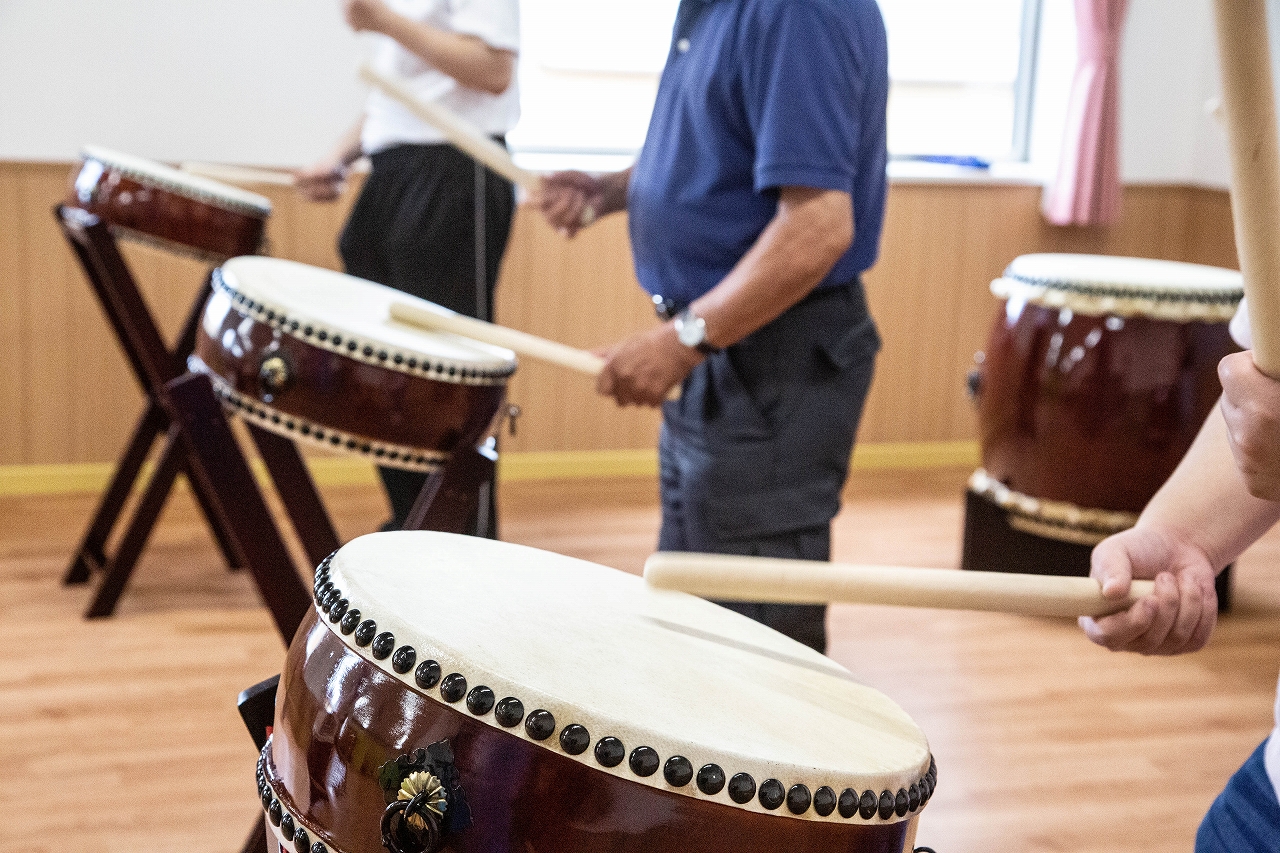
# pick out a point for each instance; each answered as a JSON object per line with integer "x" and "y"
{"x": 1271, "y": 757}
{"x": 387, "y": 123}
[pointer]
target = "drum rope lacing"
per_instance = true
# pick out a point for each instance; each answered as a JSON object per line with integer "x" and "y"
{"x": 540, "y": 725}
{"x": 372, "y": 352}
{"x": 302, "y": 429}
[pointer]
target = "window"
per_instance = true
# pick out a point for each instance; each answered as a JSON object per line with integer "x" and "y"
{"x": 588, "y": 77}
{"x": 961, "y": 78}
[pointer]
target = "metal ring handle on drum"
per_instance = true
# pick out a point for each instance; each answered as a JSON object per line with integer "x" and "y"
{"x": 400, "y": 834}
{"x": 275, "y": 374}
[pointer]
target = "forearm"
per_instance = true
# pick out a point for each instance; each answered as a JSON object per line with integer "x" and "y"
{"x": 348, "y": 148}
{"x": 467, "y": 59}
{"x": 810, "y": 232}
{"x": 1207, "y": 502}
{"x": 613, "y": 192}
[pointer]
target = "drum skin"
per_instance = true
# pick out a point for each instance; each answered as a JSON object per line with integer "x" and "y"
{"x": 377, "y": 403}
{"x": 1093, "y": 410}
{"x": 165, "y": 215}
{"x": 338, "y": 718}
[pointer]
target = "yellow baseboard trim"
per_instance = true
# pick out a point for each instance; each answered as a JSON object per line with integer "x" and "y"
{"x": 54, "y": 479}
{"x": 569, "y": 464}
{"x": 90, "y": 477}
{"x": 905, "y": 455}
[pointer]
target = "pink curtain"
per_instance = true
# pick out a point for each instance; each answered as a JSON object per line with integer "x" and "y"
{"x": 1087, "y": 189}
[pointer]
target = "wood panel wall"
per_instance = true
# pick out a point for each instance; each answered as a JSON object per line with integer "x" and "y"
{"x": 66, "y": 394}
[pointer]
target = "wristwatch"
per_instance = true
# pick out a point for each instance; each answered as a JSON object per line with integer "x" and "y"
{"x": 691, "y": 330}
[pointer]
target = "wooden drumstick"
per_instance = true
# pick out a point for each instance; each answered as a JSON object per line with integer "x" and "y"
{"x": 1249, "y": 100}
{"x": 465, "y": 136}
{"x": 734, "y": 578}
{"x": 239, "y": 174}
{"x": 437, "y": 318}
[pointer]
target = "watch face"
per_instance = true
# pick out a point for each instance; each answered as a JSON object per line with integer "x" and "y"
{"x": 690, "y": 329}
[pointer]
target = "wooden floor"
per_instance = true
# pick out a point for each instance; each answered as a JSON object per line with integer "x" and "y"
{"x": 121, "y": 734}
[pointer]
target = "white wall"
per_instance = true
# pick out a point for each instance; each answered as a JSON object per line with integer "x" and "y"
{"x": 239, "y": 81}
{"x": 1170, "y": 81}
{"x": 1163, "y": 89}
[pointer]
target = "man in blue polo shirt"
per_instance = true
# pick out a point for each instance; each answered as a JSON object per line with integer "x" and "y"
{"x": 754, "y": 206}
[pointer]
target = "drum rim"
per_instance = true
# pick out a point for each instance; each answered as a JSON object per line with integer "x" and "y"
{"x": 909, "y": 786}
{"x": 1073, "y": 523}
{"x": 1103, "y": 285}
{"x": 269, "y": 795}
{"x": 195, "y": 187}
{"x": 317, "y": 334}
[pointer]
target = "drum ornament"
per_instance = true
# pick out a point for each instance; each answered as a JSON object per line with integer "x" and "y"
{"x": 418, "y": 803}
{"x": 275, "y": 375}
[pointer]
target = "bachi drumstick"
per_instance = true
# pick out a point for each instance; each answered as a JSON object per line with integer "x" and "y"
{"x": 735, "y": 578}
{"x": 1249, "y": 102}
{"x": 438, "y": 318}
{"x": 239, "y": 174}
{"x": 463, "y": 135}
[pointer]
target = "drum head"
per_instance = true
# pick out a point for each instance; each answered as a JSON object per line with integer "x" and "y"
{"x": 600, "y": 649}
{"x": 1101, "y": 284}
{"x": 317, "y": 304}
{"x": 164, "y": 177}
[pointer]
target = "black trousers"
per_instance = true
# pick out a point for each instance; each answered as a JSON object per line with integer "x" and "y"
{"x": 755, "y": 453}
{"x": 431, "y": 222}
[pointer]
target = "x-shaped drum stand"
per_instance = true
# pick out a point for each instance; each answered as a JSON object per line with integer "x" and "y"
{"x": 198, "y": 442}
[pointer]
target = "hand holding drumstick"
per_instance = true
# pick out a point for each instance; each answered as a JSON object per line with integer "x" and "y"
{"x": 1222, "y": 496}
{"x": 325, "y": 179}
{"x": 571, "y": 201}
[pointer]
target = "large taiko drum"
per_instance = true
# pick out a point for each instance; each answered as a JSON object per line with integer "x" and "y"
{"x": 469, "y": 695}
{"x": 149, "y": 201}
{"x": 1098, "y": 373}
{"x": 314, "y": 355}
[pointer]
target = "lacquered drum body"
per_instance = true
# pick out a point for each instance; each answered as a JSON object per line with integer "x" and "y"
{"x": 1096, "y": 411}
{"x": 150, "y": 201}
{"x": 1097, "y": 375}
{"x": 313, "y": 355}
{"x": 541, "y": 767}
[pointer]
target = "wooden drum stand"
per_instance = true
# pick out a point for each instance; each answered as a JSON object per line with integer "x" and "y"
{"x": 118, "y": 192}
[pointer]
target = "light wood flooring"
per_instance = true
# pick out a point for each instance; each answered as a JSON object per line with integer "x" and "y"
{"x": 121, "y": 734}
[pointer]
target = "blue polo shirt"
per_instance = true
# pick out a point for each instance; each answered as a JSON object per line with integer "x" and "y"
{"x": 757, "y": 95}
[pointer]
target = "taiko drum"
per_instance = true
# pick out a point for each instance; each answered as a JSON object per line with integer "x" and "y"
{"x": 453, "y": 693}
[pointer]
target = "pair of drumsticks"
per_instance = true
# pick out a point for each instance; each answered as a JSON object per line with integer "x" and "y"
{"x": 1255, "y": 163}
